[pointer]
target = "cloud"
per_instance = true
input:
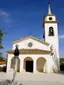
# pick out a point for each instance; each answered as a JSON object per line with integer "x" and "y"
{"x": 61, "y": 36}
{"x": 3, "y": 13}
{"x": 5, "y": 17}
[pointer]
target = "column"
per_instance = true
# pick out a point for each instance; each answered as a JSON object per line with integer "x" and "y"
{"x": 49, "y": 66}
{"x": 34, "y": 66}
{"x": 21, "y": 64}
{"x": 8, "y": 64}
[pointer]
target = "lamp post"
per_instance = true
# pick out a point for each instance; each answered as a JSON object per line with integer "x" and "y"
{"x": 16, "y": 54}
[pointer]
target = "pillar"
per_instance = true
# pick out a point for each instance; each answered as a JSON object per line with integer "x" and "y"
{"x": 21, "y": 64}
{"x": 8, "y": 64}
{"x": 34, "y": 66}
{"x": 49, "y": 65}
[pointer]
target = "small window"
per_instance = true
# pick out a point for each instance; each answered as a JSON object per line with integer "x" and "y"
{"x": 50, "y": 18}
{"x": 51, "y": 31}
{"x": 30, "y": 44}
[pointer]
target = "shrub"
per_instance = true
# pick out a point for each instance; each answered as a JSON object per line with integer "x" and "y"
{"x": 62, "y": 66}
{"x": 0, "y": 69}
{"x": 3, "y": 69}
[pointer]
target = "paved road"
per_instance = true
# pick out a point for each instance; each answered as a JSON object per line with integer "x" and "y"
{"x": 35, "y": 79}
{"x": 40, "y": 83}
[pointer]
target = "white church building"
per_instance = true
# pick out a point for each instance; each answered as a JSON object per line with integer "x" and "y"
{"x": 38, "y": 55}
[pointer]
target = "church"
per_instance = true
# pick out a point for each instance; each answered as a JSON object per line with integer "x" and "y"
{"x": 38, "y": 55}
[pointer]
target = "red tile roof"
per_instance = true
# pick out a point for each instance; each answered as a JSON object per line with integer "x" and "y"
{"x": 2, "y": 62}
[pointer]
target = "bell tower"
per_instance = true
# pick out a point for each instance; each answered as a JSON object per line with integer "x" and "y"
{"x": 50, "y": 26}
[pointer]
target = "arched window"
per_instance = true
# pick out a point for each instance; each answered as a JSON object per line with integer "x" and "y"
{"x": 51, "y": 31}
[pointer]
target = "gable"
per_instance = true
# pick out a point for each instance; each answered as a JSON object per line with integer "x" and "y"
{"x": 41, "y": 41}
{"x": 36, "y": 43}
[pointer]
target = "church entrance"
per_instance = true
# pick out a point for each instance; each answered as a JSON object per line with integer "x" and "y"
{"x": 28, "y": 64}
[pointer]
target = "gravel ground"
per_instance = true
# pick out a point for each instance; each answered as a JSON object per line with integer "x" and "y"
{"x": 35, "y": 78}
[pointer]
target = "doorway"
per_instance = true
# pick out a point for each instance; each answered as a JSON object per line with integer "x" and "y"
{"x": 29, "y": 66}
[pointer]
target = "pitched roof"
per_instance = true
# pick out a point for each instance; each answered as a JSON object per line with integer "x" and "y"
{"x": 32, "y": 37}
{"x": 2, "y": 62}
{"x": 30, "y": 51}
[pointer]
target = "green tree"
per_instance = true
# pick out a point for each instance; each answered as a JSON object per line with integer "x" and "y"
{"x": 1, "y": 38}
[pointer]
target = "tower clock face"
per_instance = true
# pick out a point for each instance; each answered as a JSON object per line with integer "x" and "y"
{"x": 50, "y": 18}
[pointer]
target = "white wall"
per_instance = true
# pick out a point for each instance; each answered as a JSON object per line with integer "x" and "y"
{"x": 47, "y": 67}
{"x": 53, "y": 40}
{"x": 2, "y": 65}
{"x": 47, "y": 18}
{"x": 36, "y": 45}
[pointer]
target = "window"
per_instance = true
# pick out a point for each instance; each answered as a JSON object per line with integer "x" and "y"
{"x": 50, "y": 18}
{"x": 51, "y": 31}
{"x": 30, "y": 44}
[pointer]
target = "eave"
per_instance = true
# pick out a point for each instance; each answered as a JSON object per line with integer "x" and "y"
{"x": 30, "y": 51}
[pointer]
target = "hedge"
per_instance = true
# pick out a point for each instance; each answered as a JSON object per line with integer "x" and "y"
{"x": 62, "y": 66}
{"x": 3, "y": 69}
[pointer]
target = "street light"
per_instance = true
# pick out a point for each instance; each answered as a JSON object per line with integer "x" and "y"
{"x": 16, "y": 54}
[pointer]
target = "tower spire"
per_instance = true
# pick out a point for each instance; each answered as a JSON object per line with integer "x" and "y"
{"x": 49, "y": 8}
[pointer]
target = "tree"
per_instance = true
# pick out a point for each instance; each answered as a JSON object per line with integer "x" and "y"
{"x": 1, "y": 38}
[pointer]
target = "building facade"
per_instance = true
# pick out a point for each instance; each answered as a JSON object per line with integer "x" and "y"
{"x": 38, "y": 55}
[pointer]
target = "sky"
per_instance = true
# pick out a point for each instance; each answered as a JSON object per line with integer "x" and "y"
{"x": 19, "y": 18}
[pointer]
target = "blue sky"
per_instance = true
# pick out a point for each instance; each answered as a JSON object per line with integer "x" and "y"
{"x": 19, "y": 18}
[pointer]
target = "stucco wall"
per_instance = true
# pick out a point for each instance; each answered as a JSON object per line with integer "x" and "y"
{"x": 36, "y": 45}
{"x": 48, "y": 65}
